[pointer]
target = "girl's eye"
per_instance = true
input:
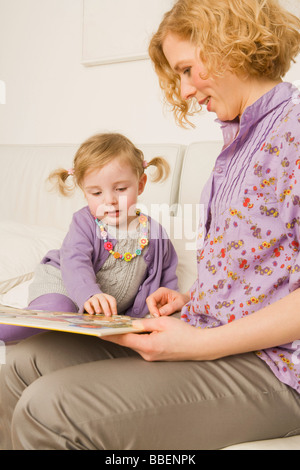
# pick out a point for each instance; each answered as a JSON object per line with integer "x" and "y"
{"x": 121, "y": 189}
{"x": 97, "y": 193}
{"x": 187, "y": 71}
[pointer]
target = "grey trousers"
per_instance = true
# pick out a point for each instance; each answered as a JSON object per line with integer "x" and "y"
{"x": 64, "y": 391}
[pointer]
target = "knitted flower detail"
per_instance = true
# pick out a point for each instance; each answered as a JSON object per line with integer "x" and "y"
{"x": 142, "y": 219}
{"x": 143, "y": 241}
{"x": 127, "y": 256}
{"x": 108, "y": 246}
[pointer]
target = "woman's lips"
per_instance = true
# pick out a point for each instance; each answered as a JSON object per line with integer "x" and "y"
{"x": 205, "y": 101}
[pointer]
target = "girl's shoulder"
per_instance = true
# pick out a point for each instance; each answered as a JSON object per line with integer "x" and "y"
{"x": 83, "y": 220}
{"x": 84, "y": 213}
{"x": 157, "y": 231}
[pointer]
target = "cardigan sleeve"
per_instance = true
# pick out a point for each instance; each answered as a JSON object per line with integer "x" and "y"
{"x": 170, "y": 260}
{"x": 76, "y": 260}
{"x": 161, "y": 260}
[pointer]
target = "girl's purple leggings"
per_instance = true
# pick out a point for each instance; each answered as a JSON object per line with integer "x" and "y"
{"x": 50, "y": 302}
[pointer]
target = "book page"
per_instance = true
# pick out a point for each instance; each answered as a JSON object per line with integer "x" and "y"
{"x": 95, "y": 325}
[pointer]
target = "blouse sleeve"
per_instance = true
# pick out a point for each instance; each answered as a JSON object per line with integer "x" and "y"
{"x": 288, "y": 197}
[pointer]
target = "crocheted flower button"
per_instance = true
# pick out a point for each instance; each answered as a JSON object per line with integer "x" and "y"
{"x": 108, "y": 246}
{"x": 143, "y": 241}
{"x": 142, "y": 219}
{"x": 127, "y": 256}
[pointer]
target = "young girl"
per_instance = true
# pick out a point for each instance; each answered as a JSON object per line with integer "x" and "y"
{"x": 113, "y": 257}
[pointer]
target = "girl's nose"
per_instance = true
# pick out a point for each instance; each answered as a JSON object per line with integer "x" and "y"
{"x": 110, "y": 198}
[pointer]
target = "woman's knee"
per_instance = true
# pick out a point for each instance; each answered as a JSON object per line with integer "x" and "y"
{"x": 38, "y": 422}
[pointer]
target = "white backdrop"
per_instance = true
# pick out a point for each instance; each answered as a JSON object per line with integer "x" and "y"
{"x": 118, "y": 30}
{"x": 51, "y": 97}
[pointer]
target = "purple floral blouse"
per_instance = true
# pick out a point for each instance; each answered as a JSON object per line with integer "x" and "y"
{"x": 249, "y": 243}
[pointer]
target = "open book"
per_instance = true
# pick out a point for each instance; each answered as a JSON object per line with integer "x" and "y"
{"x": 95, "y": 325}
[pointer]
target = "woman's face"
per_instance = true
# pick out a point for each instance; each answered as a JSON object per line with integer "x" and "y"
{"x": 227, "y": 96}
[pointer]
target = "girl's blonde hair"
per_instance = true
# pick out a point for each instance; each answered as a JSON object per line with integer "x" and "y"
{"x": 101, "y": 149}
{"x": 254, "y": 37}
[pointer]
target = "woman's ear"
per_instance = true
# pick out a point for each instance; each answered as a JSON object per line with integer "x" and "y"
{"x": 142, "y": 183}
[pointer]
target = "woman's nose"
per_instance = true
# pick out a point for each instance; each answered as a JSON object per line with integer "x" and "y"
{"x": 187, "y": 90}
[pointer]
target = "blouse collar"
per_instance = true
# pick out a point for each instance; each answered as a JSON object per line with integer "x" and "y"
{"x": 258, "y": 110}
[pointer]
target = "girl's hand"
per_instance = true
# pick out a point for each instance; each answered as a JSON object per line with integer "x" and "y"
{"x": 165, "y": 301}
{"x": 101, "y": 303}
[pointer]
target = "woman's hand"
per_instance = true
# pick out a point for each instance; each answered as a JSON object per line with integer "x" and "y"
{"x": 171, "y": 339}
{"x": 167, "y": 339}
{"x": 165, "y": 301}
{"x": 101, "y": 303}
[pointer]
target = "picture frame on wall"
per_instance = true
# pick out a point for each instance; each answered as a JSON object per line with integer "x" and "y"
{"x": 119, "y": 30}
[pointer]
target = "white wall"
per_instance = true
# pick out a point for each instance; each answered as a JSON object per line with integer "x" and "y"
{"x": 52, "y": 98}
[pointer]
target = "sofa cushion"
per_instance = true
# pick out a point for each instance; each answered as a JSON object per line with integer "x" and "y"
{"x": 182, "y": 230}
{"x": 26, "y": 196}
{"x": 287, "y": 443}
{"x": 198, "y": 164}
{"x": 21, "y": 249}
{"x": 166, "y": 192}
{"x": 16, "y": 297}
{"x": 23, "y": 188}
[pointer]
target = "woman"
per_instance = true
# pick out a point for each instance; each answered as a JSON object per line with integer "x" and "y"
{"x": 204, "y": 387}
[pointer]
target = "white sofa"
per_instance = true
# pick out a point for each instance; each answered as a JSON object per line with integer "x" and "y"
{"x": 34, "y": 220}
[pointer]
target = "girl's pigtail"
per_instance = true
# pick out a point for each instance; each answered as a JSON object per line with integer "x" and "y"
{"x": 58, "y": 180}
{"x": 162, "y": 169}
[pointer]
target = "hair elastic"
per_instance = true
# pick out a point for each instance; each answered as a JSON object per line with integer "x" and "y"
{"x": 70, "y": 171}
{"x": 145, "y": 164}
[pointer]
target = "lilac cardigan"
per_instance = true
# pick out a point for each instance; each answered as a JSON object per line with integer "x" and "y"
{"x": 83, "y": 254}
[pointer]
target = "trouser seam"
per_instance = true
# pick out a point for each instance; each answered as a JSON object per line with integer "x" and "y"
{"x": 158, "y": 407}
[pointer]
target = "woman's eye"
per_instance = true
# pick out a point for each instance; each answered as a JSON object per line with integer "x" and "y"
{"x": 187, "y": 71}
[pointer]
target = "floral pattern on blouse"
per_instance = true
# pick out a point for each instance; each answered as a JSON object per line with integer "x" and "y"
{"x": 249, "y": 243}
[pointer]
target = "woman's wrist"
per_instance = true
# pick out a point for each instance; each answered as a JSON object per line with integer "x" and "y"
{"x": 209, "y": 344}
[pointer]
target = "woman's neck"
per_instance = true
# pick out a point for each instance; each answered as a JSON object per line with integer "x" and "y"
{"x": 255, "y": 88}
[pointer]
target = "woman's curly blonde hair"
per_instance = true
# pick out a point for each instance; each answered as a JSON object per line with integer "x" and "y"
{"x": 254, "y": 37}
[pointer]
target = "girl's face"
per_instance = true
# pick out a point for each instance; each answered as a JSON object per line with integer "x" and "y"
{"x": 112, "y": 192}
{"x": 226, "y": 96}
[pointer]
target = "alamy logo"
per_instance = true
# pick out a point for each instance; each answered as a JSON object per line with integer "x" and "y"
{"x": 296, "y": 354}
{"x": 181, "y": 222}
{"x": 2, "y": 352}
